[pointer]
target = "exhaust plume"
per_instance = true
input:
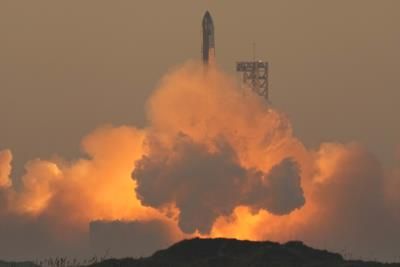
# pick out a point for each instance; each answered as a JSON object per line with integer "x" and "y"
{"x": 213, "y": 161}
{"x": 206, "y": 184}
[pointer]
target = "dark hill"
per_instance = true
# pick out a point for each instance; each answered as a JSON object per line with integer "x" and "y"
{"x": 231, "y": 252}
{"x": 17, "y": 264}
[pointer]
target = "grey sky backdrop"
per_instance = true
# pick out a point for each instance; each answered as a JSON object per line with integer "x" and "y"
{"x": 67, "y": 67}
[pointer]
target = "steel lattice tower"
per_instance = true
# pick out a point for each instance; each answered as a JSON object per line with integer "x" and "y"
{"x": 255, "y": 76}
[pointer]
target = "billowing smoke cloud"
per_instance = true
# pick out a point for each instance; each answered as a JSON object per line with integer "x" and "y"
{"x": 282, "y": 190}
{"x": 350, "y": 187}
{"x": 214, "y": 160}
{"x": 206, "y": 184}
{"x": 345, "y": 209}
{"x": 5, "y": 169}
{"x": 56, "y": 200}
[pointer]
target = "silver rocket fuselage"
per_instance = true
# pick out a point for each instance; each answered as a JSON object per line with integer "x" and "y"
{"x": 208, "y": 39}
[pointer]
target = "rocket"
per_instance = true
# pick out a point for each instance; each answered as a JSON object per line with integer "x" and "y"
{"x": 208, "y": 39}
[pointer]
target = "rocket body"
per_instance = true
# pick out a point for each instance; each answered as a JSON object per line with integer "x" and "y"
{"x": 208, "y": 39}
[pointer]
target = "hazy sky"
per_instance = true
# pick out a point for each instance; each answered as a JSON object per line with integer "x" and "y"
{"x": 69, "y": 66}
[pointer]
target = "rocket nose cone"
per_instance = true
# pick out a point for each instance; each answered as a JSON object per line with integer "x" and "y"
{"x": 207, "y": 20}
{"x": 207, "y": 15}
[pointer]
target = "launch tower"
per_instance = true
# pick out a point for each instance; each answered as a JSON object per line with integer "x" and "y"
{"x": 255, "y": 76}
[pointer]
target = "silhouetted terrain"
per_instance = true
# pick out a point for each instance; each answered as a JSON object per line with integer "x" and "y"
{"x": 230, "y": 252}
{"x": 17, "y": 264}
